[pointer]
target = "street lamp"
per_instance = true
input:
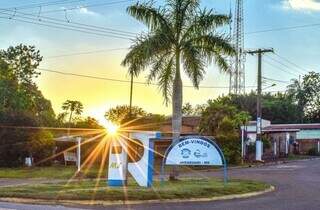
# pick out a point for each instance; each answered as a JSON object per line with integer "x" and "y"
{"x": 270, "y": 86}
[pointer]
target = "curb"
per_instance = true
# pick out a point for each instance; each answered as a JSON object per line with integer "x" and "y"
{"x": 110, "y": 203}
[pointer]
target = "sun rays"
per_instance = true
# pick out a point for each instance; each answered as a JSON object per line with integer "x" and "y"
{"x": 97, "y": 157}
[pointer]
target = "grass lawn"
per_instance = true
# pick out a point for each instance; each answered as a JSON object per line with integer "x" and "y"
{"x": 66, "y": 172}
{"x": 49, "y": 172}
{"x": 84, "y": 190}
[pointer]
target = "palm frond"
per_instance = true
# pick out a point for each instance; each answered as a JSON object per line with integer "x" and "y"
{"x": 145, "y": 50}
{"x": 206, "y": 22}
{"x": 221, "y": 62}
{"x": 165, "y": 79}
{"x": 181, "y": 11}
{"x": 193, "y": 64}
{"x": 214, "y": 43}
{"x": 157, "y": 66}
{"x": 153, "y": 18}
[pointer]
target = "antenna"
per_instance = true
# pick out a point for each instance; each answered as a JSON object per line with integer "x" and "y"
{"x": 237, "y": 64}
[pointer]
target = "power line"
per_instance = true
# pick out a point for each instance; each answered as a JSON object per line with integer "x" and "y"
{"x": 87, "y": 6}
{"x": 44, "y": 4}
{"x": 68, "y": 23}
{"x": 69, "y": 28}
{"x": 279, "y": 68}
{"x": 283, "y": 64}
{"x": 275, "y": 80}
{"x": 292, "y": 63}
{"x": 84, "y": 53}
{"x": 283, "y": 28}
{"x": 123, "y": 81}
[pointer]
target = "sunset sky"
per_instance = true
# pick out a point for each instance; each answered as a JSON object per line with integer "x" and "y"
{"x": 58, "y": 45}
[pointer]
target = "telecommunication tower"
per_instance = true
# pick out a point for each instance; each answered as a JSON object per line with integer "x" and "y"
{"x": 237, "y": 64}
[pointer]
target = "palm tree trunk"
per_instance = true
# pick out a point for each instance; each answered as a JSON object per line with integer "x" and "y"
{"x": 176, "y": 110}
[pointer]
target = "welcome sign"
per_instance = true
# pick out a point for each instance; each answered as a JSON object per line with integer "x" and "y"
{"x": 194, "y": 150}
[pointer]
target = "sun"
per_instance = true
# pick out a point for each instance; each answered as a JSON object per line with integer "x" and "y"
{"x": 111, "y": 128}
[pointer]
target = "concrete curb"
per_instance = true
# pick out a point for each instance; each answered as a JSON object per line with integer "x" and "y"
{"x": 109, "y": 203}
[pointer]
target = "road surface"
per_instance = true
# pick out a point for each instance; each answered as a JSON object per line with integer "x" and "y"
{"x": 297, "y": 188}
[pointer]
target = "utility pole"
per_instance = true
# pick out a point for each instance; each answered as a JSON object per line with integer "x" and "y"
{"x": 259, "y": 52}
{"x": 131, "y": 87}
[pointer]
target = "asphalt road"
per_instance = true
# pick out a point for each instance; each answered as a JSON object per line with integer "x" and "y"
{"x": 297, "y": 188}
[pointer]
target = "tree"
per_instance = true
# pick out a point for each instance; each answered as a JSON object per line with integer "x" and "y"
{"x": 121, "y": 114}
{"x": 296, "y": 93}
{"x": 306, "y": 96}
{"x": 21, "y": 103}
{"x": 40, "y": 145}
{"x": 73, "y": 107}
{"x": 223, "y": 121}
{"x": 180, "y": 32}
{"x": 228, "y": 138}
{"x": 187, "y": 109}
{"x": 23, "y": 61}
{"x": 277, "y": 107}
{"x": 214, "y": 114}
{"x": 88, "y": 122}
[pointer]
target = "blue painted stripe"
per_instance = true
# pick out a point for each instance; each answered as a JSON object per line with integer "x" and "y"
{"x": 150, "y": 164}
{"x": 116, "y": 183}
{"x": 158, "y": 135}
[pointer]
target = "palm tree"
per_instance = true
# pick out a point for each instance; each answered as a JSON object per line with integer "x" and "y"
{"x": 180, "y": 32}
{"x": 74, "y": 107}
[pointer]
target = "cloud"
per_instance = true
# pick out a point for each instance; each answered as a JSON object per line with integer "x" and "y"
{"x": 84, "y": 10}
{"x": 301, "y": 5}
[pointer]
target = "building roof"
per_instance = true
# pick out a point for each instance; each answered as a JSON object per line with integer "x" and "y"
{"x": 310, "y": 126}
{"x": 191, "y": 121}
{"x": 269, "y": 129}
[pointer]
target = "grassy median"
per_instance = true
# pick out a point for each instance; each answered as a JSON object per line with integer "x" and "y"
{"x": 86, "y": 190}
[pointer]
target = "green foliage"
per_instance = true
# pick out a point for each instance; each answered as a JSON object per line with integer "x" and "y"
{"x": 215, "y": 112}
{"x": 278, "y": 108}
{"x": 21, "y": 103}
{"x": 306, "y": 96}
{"x": 223, "y": 122}
{"x": 88, "y": 122}
{"x": 149, "y": 122}
{"x": 266, "y": 142}
{"x": 179, "y": 29}
{"x": 23, "y": 61}
{"x": 85, "y": 189}
{"x": 228, "y": 138}
{"x": 121, "y": 114}
{"x": 313, "y": 152}
{"x": 187, "y": 109}
{"x": 40, "y": 145}
{"x": 72, "y": 107}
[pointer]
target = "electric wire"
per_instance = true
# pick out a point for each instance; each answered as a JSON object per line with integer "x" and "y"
{"x": 123, "y": 81}
{"x": 283, "y": 28}
{"x": 43, "y": 4}
{"x": 85, "y": 53}
{"x": 69, "y": 24}
{"x": 283, "y": 64}
{"x": 70, "y": 29}
{"x": 279, "y": 68}
{"x": 275, "y": 80}
{"x": 292, "y": 63}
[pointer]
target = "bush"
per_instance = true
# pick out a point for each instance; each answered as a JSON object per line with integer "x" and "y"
{"x": 313, "y": 152}
{"x": 228, "y": 139}
{"x": 41, "y": 145}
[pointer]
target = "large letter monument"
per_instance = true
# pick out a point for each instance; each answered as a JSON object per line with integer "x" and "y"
{"x": 189, "y": 150}
{"x": 142, "y": 170}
